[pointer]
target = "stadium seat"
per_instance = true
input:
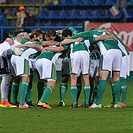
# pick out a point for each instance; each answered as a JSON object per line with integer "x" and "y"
{"x": 116, "y": 18}
{"x": 85, "y": 3}
{"x": 84, "y": 15}
{"x": 50, "y": 24}
{"x": 62, "y": 15}
{"x": 95, "y": 14}
{"x": 64, "y": 3}
{"x": 96, "y": 3}
{"x": 130, "y": 4}
{"x": 61, "y": 24}
{"x": 72, "y": 24}
{"x": 41, "y": 15}
{"x": 75, "y": 3}
{"x": 51, "y": 15}
{"x": 130, "y": 15}
{"x": 105, "y": 15}
{"x": 73, "y": 14}
{"x": 109, "y": 3}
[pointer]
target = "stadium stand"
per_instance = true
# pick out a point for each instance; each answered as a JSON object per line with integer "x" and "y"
{"x": 95, "y": 3}
{"x": 109, "y": 3}
{"x": 62, "y": 15}
{"x": 68, "y": 11}
{"x": 73, "y": 14}
{"x": 85, "y": 14}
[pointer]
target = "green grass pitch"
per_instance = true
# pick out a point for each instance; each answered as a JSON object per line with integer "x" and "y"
{"x": 66, "y": 120}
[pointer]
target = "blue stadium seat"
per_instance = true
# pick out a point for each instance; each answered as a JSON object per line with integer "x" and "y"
{"x": 62, "y": 15}
{"x": 64, "y": 3}
{"x": 85, "y": 3}
{"x": 72, "y": 24}
{"x": 51, "y": 15}
{"x": 95, "y": 14}
{"x": 73, "y": 14}
{"x": 50, "y": 24}
{"x": 96, "y": 3}
{"x": 116, "y": 18}
{"x": 75, "y": 3}
{"x": 130, "y": 4}
{"x": 84, "y": 15}
{"x": 41, "y": 15}
{"x": 51, "y": 4}
{"x": 130, "y": 15}
{"x": 61, "y": 24}
{"x": 105, "y": 15}
{"x": 109, "y": 3}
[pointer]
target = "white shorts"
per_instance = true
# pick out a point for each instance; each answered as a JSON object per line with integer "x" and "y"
{"x": 46, "y": 69}
{"x": 94, "y": 65}
{"x": 20, "y": 65}
{"x": 80, "y": 62}
{"x": 111, "y": 60}
{"x": 124, "y": 67}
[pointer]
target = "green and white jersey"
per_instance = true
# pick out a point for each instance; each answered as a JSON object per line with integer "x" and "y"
{"x": 87, "y": 36}
{"x": 122, "y": 46}
{"x": 52, "y": 56}
{"x": 78, "y": 46}
{"x": 28, "y": 51}
{"x": 73, "y": 30}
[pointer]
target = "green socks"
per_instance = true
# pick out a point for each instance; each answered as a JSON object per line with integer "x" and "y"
{"x": 101, "y": 90}
{"x": 79, "y": 88}
{"x": 74, "y": 94}
{"x": 86, "y": 94}
{"x": 15, "y": 88}
{"x": 124, "y": 89}
{"x": 94, "y": 98}
{"x": 46, "y": 93}
{"x": 116, "y": 91}
{"x": 23, "y": 91}
{"x": 29, "y": 93}
{"x": 63, "y": 90}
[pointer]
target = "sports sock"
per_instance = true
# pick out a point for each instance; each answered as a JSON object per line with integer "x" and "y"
{"x": 79, "y": 88}
{"x": 40, "y": 88}
{"x": 46, "y": 93}
{"x": 124, "y": 89}
{"x": 86, "y": 93}
{"x": 4, "y": 87}
{"x": 23, "y": 91}
{"x": 15, "y": 88}
{"x": 29, "y": 92}
{"x": 112, "y": 88}
{"x": 74, "y": 94}
{"x": 100, "y": 92}
{"x": 116, "y": 91}
{"x": 95, "y": 93}
{"x": 9, "y": 91}
{"x": 63, "y": 90}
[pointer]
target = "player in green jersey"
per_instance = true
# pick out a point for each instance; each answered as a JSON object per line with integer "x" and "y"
{"x": 107, "y": 47}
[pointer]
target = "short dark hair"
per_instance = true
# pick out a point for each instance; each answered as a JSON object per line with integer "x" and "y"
{"x": 51, "y": 32}
{"x": 66, "y": 32}
{"x": 36, "y": 32}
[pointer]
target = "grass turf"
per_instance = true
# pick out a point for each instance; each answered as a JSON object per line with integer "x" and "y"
{"x": 66, "y": 120}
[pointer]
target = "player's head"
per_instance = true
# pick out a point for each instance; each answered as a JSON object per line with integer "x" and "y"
{"x": 50, "y": 35}
{"x": 67, "y": 33}
{"x": 37, "y": 35}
